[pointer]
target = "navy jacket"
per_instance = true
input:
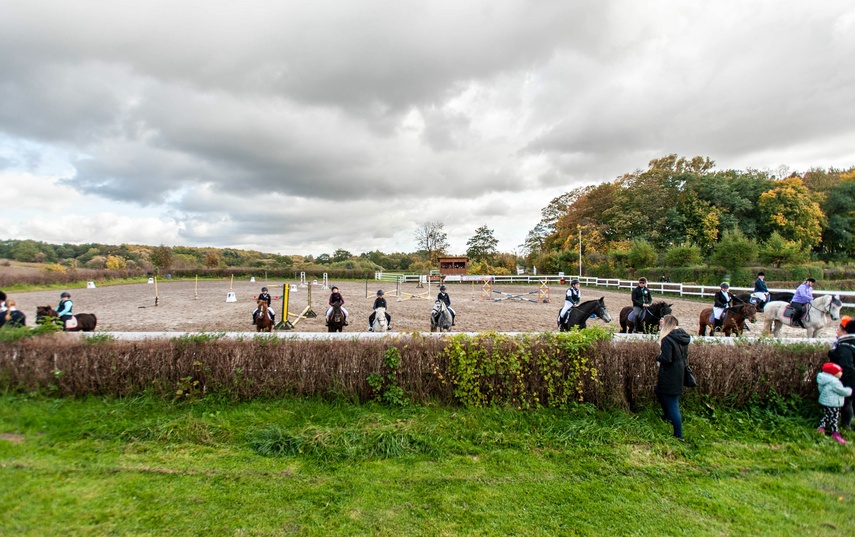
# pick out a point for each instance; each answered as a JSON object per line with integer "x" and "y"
{"x": 672, "y": 362}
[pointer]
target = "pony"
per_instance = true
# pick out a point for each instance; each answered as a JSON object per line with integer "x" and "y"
{"x": 820, "y": 312}
{"x": 440, "y": 317}
{"x": 650, "y": 318}
{"x": 786, "y": 296}
{"x": 263, "y": 322}
{"x": 579, "y": 315}
{"x": 380, "y": 323}
{"x": 733, "y": 320}
{"x": 81, "y": 322}
{"x": 336, "y": 322}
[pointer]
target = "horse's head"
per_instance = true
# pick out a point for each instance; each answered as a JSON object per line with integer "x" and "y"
{"x": 834, "y": 307}
{"x": 262, "y": 304}
{"x": 601, "y": 310}
{"x": 45, "y": 311}
{"x": 437, "y": 307}
{"x": 749, "y": 311}
{"x": 661, "y": 309}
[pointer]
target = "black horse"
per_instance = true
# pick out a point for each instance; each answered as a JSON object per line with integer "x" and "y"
{"x": 336, "y": 318}
{"x": 85, "y": 322}
{"x": 785, "y": 296}
{"x": 579, "y": 315}
{"x": 649, "y": 320}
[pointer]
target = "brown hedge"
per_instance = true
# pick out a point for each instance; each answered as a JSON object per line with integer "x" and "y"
{"x": 625, "y": 371}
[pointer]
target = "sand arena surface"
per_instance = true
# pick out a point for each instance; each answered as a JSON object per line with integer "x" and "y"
{"x": 182, "y": 307}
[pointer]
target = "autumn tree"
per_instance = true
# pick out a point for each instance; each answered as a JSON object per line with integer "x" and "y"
{"x": 432, "y": 239}
{"x": 789, "y": 210}
{"x": 115, "y": 262}
{"x": 212, "y": 260}
{"x": 482, "y": 245}
{"x": 161, "y": 257}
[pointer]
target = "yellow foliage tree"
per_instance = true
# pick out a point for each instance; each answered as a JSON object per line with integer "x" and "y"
{"x": 115, "y": 262}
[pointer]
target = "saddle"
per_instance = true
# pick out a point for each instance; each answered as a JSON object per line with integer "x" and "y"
{"x": 631, "y": 316}
{"x": 70, "y": 323}
{"x": 788, "y": 314}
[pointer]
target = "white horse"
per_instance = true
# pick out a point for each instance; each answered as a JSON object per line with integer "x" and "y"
{"x": 440, "y": 317}
{"x": 820, "y": 311}
{"x": 380, "y": 323}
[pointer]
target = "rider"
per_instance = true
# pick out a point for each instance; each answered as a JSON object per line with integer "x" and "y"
{"x": 803, "y": 295}
{"x": 571, "y": 299}
{"x": 761, "y": 292}
{"x": 63, "y": 310}
{"x": 447, "y": 299}
{"x": 641, "y": 299}
{"x": 722, "y": 299}
{"x": 264, "y": 295}
{"x": 335, "y": 296}
{"x": 379, "y": 302}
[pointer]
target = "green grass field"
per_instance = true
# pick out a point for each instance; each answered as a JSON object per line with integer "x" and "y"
{"x": 305, "y": 467}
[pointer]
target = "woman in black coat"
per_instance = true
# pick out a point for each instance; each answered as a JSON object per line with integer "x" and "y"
{"x": 843, "y": 354}
{"x": 673, "y": 360}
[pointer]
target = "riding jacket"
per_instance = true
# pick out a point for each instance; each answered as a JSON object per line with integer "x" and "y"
{"x": 573, "y": 296}
{"x": 265, "y": 296}
{"x": 803, "y": 295}
{"x": 641, "y": 296}
{"x": 760, "y": 286}
{"x": 336, "y": 297}
{"x": 722, "y": 299}
{"x": 445, "y": 298}
{"x": 64, "y": 308}
{"x": 379, "y": 302}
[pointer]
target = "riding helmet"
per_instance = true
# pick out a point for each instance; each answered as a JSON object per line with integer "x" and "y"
{"x": 574, "y": 281}
{"x": 442, "y": 288}
{"x": 724, "y": 285}
{"x": 264, "y": 289}
{"x": 380, "y": 292}
{"x": 761, "y": 273}
{"x": 65, "y": 294}
{"x": 333, "y": 288}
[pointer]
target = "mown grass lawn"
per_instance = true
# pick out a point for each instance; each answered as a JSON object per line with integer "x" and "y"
{"x": 143, "y": 466}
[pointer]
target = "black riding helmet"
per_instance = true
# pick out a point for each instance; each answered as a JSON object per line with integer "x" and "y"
{"x": 264, "y": 289}
{"x": 333, "y": 288}
{"x": 442, "y": 288}
{"x": 65, "y": 294}
{"x": 380, "y": 292}
{"x": 574, "y": 282}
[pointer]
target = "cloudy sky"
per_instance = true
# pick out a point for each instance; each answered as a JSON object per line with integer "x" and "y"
{"x": 303, "y": 127}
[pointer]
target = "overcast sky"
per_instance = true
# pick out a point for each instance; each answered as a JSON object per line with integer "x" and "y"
{"x": 304, "y": 127}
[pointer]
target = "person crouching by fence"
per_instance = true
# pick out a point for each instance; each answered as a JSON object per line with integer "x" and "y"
{"x": 673, "y": 361}
{"x": 832, "y": 392}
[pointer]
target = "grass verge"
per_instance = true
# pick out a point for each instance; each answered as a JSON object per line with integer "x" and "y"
{"x": 143, "y": 466}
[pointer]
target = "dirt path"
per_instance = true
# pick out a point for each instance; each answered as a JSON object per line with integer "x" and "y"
{"x": 183, "y": 307}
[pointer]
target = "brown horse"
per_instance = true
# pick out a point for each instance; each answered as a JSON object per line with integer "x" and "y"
{"x": 263, "y": 322}
{"x": 733, "y": 320}
{"x": 336, "y": 318}
{"x": 84, "y": 322}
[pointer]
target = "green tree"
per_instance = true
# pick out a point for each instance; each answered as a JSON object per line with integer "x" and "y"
{"x": 789, "y": 210}
{"x": 641, "y": 254}
{"x": 778, "y": 251}
{"x": 482, "y": 245}
{"x": 839, "y": 237}
{"x": 734, "y": 251}
{"x": 341, "y": 255}
{"x": 25, "y": 251}
{"x": 323, "y": 259}
{"x": 161, "y": 257}
{"x": 682, "y": 255}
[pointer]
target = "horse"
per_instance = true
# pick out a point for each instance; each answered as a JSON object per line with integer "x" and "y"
{"x": 650, "y": 318}
{"x": 820, "y": 311}
{"x": 440, "y": 317}
{"x": 733, "y": 320}
{"x": 579, "y": 315}
{"x": 81, "y": 322}
{"x": 380, "y": 322}
{"x": 336, "y": 322}
{"x": 263, "y": 322}
{"x": 786, "y": 296}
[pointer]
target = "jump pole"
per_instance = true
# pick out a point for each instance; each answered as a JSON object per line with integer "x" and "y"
{"x": 307, "y": 313}
{"x": 155, "y": 290}
{"x": 196, "y": 288}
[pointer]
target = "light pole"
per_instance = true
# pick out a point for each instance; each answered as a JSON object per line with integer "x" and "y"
{"x": 580, "y": 250}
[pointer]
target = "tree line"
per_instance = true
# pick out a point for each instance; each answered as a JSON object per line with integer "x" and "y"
{"x": 683, "y": 212}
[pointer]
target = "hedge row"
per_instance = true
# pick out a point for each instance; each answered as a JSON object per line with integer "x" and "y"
{"x": 548, "y": 369}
